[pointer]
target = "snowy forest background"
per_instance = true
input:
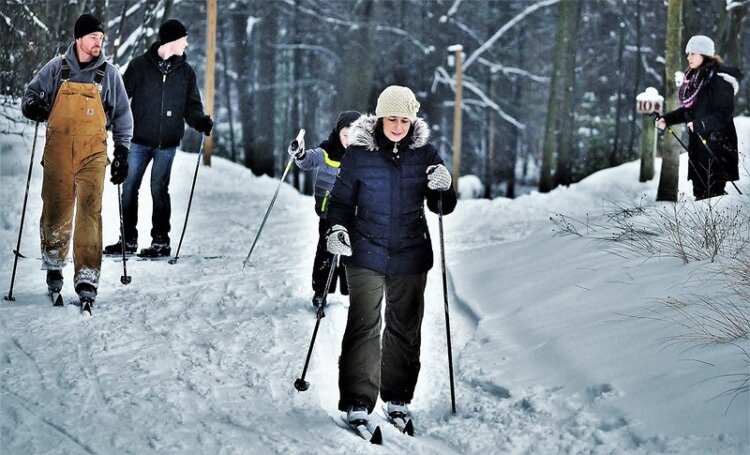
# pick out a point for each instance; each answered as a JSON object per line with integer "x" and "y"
{"x": 286, "y": 64}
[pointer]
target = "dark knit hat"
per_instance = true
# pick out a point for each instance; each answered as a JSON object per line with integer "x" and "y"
{"x": 172, "y": 30}
{"x": 345, "y": 119}
{"x": 85, "y": 24}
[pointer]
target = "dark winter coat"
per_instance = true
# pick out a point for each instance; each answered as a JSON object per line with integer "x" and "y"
{"x": 164, "y": 95}
{"x": 379, "y": 197}
{"x": 712, "y": 115}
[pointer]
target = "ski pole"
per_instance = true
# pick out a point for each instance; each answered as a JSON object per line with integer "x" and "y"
{"x": 124, "y": 279}
{"x": 190, "y": 201}
{"x": 710, "y": 152}
{"x": 296, "y": 144}
{"x": 300, "y": 384}
{"x": 713, "y": 155}
{"x": 445, "y": 298}
{"x": 17, "y": 251}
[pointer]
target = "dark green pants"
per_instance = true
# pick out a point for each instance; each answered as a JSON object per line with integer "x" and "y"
{"x": 364, "y": 367}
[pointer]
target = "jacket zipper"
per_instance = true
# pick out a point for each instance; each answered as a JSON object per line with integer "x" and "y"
{"x": 161, "y": 114}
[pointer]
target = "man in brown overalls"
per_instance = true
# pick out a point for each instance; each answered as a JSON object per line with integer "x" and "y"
{"x": 87, "y": 97}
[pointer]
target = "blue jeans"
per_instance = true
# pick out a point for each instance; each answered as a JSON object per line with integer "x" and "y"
{"x": 138, "y": 159}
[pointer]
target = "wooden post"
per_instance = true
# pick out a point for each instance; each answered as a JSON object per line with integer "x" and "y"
{"x": 458, "y": 50}
{"x": 648, "y": 149}
{"x": 208, "y": 89}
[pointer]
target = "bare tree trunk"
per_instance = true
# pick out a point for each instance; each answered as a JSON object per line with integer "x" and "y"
{"x": 546, "y": 182}
{"x": 242, "y": 52}
{"x": 670, "y": 164}
{"x": 570, "y": 16}
{"x": 262, "y": 107}
{"x": 358, "y": 60}
{"x": 168, "y": 5}
{"x": 227, "y": 82}
{"x": 729, "y": 34}
{"x": 637, "y": 73}
{"x": 615, "y": 156}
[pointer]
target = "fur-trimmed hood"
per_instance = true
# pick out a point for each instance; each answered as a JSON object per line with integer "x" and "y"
{"x": 362, "y": 133}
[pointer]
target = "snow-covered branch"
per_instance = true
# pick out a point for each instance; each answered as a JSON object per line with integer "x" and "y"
{"x": 508, "y": 25}
{"x": 495, "y": 67}
{"x": 442, "y": 76}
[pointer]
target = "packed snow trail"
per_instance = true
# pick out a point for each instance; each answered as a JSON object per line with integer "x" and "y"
{"x": 201, "y": 356}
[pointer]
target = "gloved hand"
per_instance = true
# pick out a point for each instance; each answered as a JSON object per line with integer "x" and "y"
{"x": 204, "y": 125}
{"x": 438, "y": 178}
{"x": 298, "y": 154}
{"x": 36, "y": 109}
{"x": 297, "y": 149}
{"x": 659, "y": 122}
{"x": 119, "y": 169}
{"x": 337, "y": 241}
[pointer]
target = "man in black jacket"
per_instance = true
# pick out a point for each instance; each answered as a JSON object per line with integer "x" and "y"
{"x": 164, "y": 96}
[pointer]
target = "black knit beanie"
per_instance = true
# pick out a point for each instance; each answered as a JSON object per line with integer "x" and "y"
{"x": 172, "y": 30}
{"x": 345, "y": 119}
{"x": 85, "y": 24}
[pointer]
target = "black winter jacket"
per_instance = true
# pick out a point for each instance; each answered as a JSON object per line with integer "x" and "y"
{"x": 379, "y": 197}
{"x": 162, "y": 100}
{"x": 712, "y": 115}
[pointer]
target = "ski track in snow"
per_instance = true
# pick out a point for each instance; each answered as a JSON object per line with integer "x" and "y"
{"x": 201, "y": 356}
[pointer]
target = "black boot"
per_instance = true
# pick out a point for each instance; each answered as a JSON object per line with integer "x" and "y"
{"x": 317, "y": 299}
{"x": 116, "y": 248}
{"x": 156, "y": 250}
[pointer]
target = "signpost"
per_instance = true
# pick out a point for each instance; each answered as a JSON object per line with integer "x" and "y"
{"x": 648, "y": 103}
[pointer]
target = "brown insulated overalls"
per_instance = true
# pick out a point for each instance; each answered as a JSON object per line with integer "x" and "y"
{"x": 75, "y": 159}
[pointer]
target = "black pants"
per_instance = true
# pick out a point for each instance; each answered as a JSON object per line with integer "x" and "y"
{"x": 322, "y": 266}
{"x": 364, "y": 367}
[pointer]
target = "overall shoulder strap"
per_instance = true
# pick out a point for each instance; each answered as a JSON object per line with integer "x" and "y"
{"x": 100, "y": 73}
{"x": 65, "y": 71}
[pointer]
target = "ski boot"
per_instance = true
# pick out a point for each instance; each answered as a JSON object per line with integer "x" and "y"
{"x": 116, "y": 248}
{"x": 317, "y": 299}
{"x": 54, "y": 280}
{"x": 156, "y": 250}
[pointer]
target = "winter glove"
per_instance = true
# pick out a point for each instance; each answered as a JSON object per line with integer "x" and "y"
{"x": 297, "y": 149}
{"x": 119, "y": 169}
{"x": 204, "y": 125}
{"x": 298, "y": 154}
{"x": 337, "y": 241}
{"x": 36, "y": 109}
{"x": 438, "y": 178}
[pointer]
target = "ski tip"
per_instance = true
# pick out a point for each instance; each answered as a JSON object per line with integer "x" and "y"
{"x": 377, "y": 436}
{"x": 409, "y": 427}
{"x": 86, "y": 307}
{"x": 300, "y": 135}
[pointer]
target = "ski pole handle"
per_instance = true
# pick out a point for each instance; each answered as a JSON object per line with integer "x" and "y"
{"x": 299, "y": 142}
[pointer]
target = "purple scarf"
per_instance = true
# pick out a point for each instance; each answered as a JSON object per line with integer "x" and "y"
{"x": 692, "y": 84}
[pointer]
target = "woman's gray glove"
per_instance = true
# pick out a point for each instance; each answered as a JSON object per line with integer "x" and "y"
{"x": 337, "y": 241}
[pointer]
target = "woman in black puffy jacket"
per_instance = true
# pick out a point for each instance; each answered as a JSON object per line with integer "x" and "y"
{"x": 377, "y": 218}
{"x": 707, "y": 107}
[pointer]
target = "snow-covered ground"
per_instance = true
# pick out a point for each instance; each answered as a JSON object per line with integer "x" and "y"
{"x": 555, "y": 346}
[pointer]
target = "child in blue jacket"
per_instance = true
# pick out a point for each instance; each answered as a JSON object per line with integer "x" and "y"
{"x": 325, "y": 160}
